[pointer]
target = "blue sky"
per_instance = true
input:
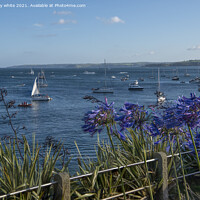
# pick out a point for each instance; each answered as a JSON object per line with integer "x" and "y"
{"x": 117, "y": 30}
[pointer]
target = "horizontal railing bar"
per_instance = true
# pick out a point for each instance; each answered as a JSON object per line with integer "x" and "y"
{"x": 114, "y": 168}
{"x": 28, "y": 189}
{"x": 126, "y": 193}
{"x": 103, "y": 171}
{"x": 182, "y": 153}
{"x": 131, "y": 165}
{"x": 177, "y": 154}
{"x": 198, "y": 172}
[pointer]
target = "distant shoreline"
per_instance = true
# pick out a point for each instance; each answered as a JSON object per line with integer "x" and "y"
{"x": 136, "y": 64}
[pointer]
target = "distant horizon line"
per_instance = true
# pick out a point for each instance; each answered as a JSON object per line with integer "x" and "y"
{"x": 112, "y": 63}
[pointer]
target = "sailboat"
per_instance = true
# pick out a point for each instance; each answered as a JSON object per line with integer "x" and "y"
{"x": 152, "y": 76}
{"x": 186, "y": 73}
{"x": 42, "y": 82}
{"x": 32, "y": 72}
{"x": 160, "y": 95}
{"x": 36, "y": 95}
{"x": 104, "y": 89}
{"x": 175, "y": 77}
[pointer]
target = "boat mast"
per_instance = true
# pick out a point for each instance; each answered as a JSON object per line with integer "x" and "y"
{"x": 158, "y": 79}
{"x": 105, "y": 73}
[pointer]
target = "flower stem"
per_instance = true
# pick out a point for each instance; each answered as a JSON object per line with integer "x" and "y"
{"x": 147, "y": 173}
{"x": 113, "y": 147}
{"x": 182, "y": 167}
{"x": 195, "y": 148}
{"x": 172, "y": 152}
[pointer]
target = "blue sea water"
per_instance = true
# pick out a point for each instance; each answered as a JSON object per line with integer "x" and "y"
{"x": 62, "y": 117}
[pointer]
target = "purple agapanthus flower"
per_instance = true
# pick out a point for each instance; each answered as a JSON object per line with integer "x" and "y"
{"x": 96, "y": 120}
{"x": 190, "y": 110}
{"x": 185, "y": 112}
{"x": 131, "y": 116}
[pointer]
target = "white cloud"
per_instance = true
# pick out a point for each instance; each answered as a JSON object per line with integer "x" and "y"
{"x": 116, "y": 20}
{"x": 197, "y": 47}
{"x": 66, "y": 21}
{"x": 62, "y": 12}
{"x": 111, "y": 20}
{"x": 38, "y": 25}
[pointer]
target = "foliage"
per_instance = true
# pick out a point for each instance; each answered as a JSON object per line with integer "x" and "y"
{"x": 135, "y": 133}
{"x": 24, "y": 164}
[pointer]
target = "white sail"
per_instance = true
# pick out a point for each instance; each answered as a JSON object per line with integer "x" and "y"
{"x": 35, "y": 89}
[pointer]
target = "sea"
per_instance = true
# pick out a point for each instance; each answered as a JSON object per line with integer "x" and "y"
{"x": 62, "y": 117}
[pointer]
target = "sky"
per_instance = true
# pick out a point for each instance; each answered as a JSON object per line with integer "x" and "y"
{"x": 89, "y": 31}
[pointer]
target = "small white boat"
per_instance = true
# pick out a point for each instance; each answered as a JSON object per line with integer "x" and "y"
{"x": 113, "y": 77}
{"x": 87, "y": 72}
{"x": 135, "y": 86}
{"x": 36, "y": 95}
{"x": 175, "y": 78}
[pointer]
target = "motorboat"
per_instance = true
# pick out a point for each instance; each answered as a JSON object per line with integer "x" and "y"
{"x": 135, "y": 86}
{"x": 175, "y": 78}
{"x": 24, "y": 104}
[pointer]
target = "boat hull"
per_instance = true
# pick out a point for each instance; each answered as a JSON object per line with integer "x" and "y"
{"x": 41, "y": 98}
{"x": 135, "y": 88}
{"x": 24, "y": 106}
{"x": 103, "y": 90}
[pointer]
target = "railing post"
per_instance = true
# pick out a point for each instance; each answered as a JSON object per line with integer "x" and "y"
{"x": 162, "y": 175}
{"x": 62, "y": 188}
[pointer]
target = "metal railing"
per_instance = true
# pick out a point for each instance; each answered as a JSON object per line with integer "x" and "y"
{"x": 54, "y": 183}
